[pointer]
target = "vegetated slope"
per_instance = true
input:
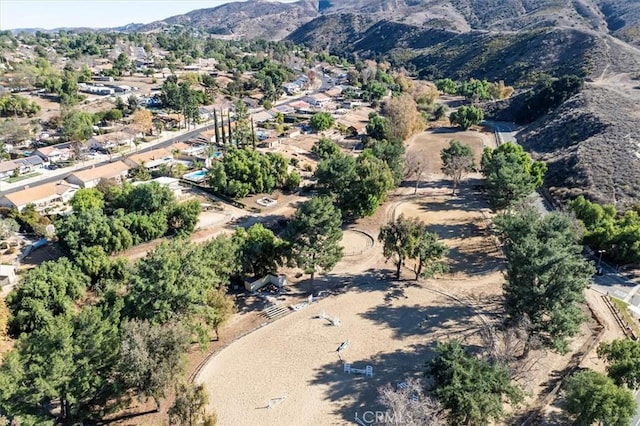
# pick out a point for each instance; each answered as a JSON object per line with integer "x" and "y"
{"x": 252, "y": 19}
{"x": 591, "y": 145}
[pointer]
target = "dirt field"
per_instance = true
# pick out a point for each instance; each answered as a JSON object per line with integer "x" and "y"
{"x": 296, "y": 356}
{"x": 392, "y": 326}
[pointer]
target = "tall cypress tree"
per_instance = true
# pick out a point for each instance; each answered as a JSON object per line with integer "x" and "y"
{"x": 215, "y": 125}
{"x": 224, "y": 136}
{"x": 230, "y": 132}
{"x": 253, "y": 134}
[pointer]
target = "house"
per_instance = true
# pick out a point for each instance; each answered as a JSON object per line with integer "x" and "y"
{"x": 20, "y": 166}
{"x": 55, "y": 153}
{"x": 89, "y": 178}
{"x": 29, "y": 164}
{"x": 96, "y": 90}
{"x": 318, "y": 100}
{"x": 8, "y": 168}
{"x": 255, "y": 284}
{"x": 7, "y": 275}
{"x": 195, "y": 150}
{"x": 302, "y": 107}
{"x": 261, "y": 117}
{"x": 334, "y": 92}
{"x": 111, "y": 141}
{"x": 41, "y": 196}
{"x": 150, "y": 159}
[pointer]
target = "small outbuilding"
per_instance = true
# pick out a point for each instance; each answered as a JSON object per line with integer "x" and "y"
{"x": 7, "y": 275}
{"x": 255, "y": 284}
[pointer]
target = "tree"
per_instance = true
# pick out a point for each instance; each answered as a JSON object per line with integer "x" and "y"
{"x": 175, "y": 283}
{"x": 409, "y": 406}
{"x": 546, "y": 277}
{"x": 190, "y": 406}
{"x": 377, "y": 127}
{"x": 87, "y": 199}
{"x": 466, "y": 116}
{"x": 183, "y": 219}
{"x": 260, "y": 250}
{"x": 457, "y": 160}
{"x": 69, "y": 364}
{"x": 511, "y": 174}
{"x": 77, "y": 126}
{"x": 593, "y": 397}
{"x": 447, "y": 86}
{"x": 623, "y": 357}
{"x": 360, "y": 185}
{"x": 325, "y": 148}
{"x": 414, "y": 167}
{"x": 404, "y": 118}
{"x": 47, "y": 293}
{"x": 321, "y": 121}
{"x": 430, "y": 253}
{"x": 243, "y": 133}
{"x": 142, "y": 120}
{"x": 400, "y": 238}
{"x": 314, "y": 235}
{"x": 151, "y": 357}
{"x": 473, "y": 390}
{"x": 392, "y": 153}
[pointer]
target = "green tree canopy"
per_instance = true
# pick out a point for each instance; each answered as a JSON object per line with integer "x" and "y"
{"x": 377, "y": 127}
{"x": 471, "y": 389}
{"x": 87, "y": 199}
{"x": 623, "y": 359}
{"x": 321, "y": 121}
{"x": 314, "y": 236}
{"x": 593, "y": 397}
{"x": 467, "y": 116}
{"x": 511, "y": 174}
{"x": 325, "y": 148}
{"x": 46, "y": 293}
{"x": 546, "y": 277}
{"x": 260, "y": 250}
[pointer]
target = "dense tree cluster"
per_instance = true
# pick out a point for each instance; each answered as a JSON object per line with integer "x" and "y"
{"x": 17, "y": 106}
{"x": 475, "y": 90}
{"x": 466, "y": 116}
{"x": 244, "y": 171}
{"x": 546, "y": 277}
{"x": 89, "y": 356}
{"x": 618, "y": 235}
{"x": 511, "y": 175}
{"x": 359, "y": 184}
{"x": 116, "y": 217}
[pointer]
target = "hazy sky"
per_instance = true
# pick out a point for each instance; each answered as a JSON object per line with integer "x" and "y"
{"x": 94, "y": 13}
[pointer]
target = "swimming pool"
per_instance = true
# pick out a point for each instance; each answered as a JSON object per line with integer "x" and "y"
{"x": 197, "y": 176}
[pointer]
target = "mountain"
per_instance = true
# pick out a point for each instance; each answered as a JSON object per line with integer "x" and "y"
{"x": 250, "y": 19}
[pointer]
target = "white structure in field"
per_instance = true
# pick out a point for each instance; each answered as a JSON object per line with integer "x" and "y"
{"x": 255, "y": 284}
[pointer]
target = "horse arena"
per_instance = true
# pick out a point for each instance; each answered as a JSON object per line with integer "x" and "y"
{"x": 324, "y": 362}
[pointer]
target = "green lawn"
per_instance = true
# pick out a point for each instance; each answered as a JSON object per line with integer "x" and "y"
{"x": 624, "y": 311}
{"x": 13, "y": 179}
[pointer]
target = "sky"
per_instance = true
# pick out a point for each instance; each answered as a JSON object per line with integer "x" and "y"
{"x": 94, "y": 13}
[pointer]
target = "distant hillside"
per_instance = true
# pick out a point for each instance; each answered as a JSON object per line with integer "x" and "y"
{"x": 251, "y": 19}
